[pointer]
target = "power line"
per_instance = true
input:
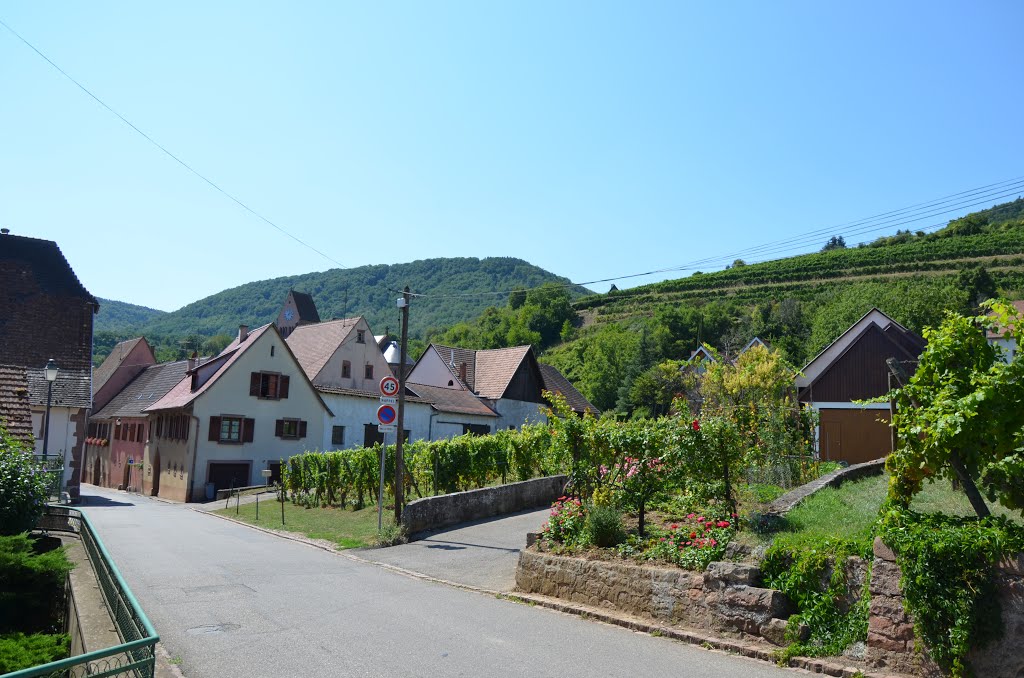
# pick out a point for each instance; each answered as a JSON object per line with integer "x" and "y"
{"x": 168, "y": 153}
{"x": 879, "y": 222}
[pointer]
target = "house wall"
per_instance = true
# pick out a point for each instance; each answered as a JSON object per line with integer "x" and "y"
{"x": 114, "y": 457}
{"x": 515, "y": 413}
{"x": 229, "y": 395}
{"x": 67, "y": 436}
{"x": 359, "y": 355}
{"x": 525, "y": 385}
{"x": 1009, "y": 347}
{"x": 432, "y": 370}
{"x": 131, "y": 365}
{"x": 175, "y": 463}
{"x": 854, "y": 434}
{"x": 861, "y": 373}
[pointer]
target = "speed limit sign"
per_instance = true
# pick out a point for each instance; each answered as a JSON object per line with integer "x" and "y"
{"x": 388, "y": 386}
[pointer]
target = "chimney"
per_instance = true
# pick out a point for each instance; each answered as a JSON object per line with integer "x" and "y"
{"x": 243, "y": 333}
{"x": 462, "y": 372}
{"x": 192, "y": 361}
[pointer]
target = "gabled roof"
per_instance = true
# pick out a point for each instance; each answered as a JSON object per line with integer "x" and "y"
{"x": 495, "y": 369}
{"x": 44, "y": 261}
{"x": 454, "y": 358}
{"x": 114, "y": 359}
{"x": 393, "y": 355}
{"x": 305, "y": 306}
{"x": 147, "y": 388}
{"x": 15, "y": 409}
{"x": 555, "y": 382}
{"x": 900, "y": 336}
{"x": 313, "y": 345}
{"x": 702, "y": 353}
{"x": 452, "y": 400}
{"x": 756, "y": 341}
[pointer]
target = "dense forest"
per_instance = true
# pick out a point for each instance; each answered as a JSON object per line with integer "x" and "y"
{"x": 448, "y": 284}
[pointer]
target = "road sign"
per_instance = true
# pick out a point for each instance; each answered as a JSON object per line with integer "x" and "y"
{"x": 389, "y": 386}
{"x": 386, "y": 414}
{"x": 388, "y": 400}
{"x": 387, "y": 428}
{"x": 131, "y": 461}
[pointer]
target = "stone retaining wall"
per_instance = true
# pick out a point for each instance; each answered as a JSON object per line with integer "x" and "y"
{"x": 726, "y": 598}
{"x": 891, "y": 643}
{"x": 788, "y": 501}
{"x": 431, "y": 513}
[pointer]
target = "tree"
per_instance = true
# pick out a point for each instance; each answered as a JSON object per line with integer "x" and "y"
{"x": 978, "y": 284}
{"x": 959, "y": 416}
{"x": 836, "y": 242}
{"x": 653, "y": 391}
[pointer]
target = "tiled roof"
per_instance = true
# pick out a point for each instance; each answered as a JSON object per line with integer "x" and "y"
{"x": 15, "y": 411}
{"x": 73, "y": 388}
{"x": 556, "y": 383}
{"x": 454, "y": 357}
{"x": 495, "y": 369}
{"x": 182, "y": 394}
{"x": 46, "y": 264}
{"x": 313, "y": 345}
{"x": 148, "y": 387}
{"x": 365, "y": 394}
{"x": 305, "y": 306}
{"x": 452, "y": 400}
{"x": 101, "y": 374}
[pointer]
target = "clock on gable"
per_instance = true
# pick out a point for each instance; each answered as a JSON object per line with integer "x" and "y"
{"x": 288, "y": 315}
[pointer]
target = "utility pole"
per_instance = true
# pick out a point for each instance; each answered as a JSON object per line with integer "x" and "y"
{"x": 403, "y": 303}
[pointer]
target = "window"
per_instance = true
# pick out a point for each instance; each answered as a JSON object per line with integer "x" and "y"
{"x": 369, "y": 371}
{"x": 231, "y": 429}
{"x": 338, "y": 436}
{"x": 291, "y": 429}
{"x": 360, "y": 336}
{"x": 346, "y": 369}
{"x": 271, "y": 350}
{"x": 269, "y": 385}
{"x": 476, "y": 429}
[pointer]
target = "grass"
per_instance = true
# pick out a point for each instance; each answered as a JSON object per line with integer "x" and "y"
{"x": 344, "y": 527}
{"x": 848, "y": 512}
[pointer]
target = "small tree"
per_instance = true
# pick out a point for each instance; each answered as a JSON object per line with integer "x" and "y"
{"x": 24, "y": 485}
{"x": 959, "y": 416}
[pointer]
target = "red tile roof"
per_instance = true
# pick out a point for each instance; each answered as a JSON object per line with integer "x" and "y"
{"x": 452, "y": 400}
{"x": 121, "y": 350}
{"x": 555, "y": 382}
{"x": 15, "y": 411}
{"x": 495, "y": 369}
{"x": 313, "y": 345}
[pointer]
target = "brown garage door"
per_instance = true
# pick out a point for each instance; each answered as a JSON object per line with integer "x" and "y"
{"x": 854, "y": 436}
{"x": 229, "y": 474}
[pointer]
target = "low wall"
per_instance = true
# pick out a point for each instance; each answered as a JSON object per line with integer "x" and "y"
{"x": 431, "y": 513}
{"x": 788, "y": 501}
{"x": 724, "y": 598}
{"x": 891, "y": 643}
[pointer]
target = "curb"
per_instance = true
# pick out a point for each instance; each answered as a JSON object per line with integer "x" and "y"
{"x": 751, "y": 650}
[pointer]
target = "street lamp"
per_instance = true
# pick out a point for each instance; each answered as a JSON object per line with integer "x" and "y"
{"x": 51, "y": 376}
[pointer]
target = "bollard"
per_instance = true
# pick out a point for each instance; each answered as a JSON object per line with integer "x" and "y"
{"x": 257, "y": 508}
{"x": 238, "y": 500}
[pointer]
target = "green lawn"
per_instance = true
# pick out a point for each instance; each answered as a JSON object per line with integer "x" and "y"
{"x": 344, "y": 527}
{"x": 849, "y": 511}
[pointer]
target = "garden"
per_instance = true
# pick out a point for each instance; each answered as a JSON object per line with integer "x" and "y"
{"x": 33, "y": 569}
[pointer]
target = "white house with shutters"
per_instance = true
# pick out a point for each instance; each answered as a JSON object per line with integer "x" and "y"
{"x": 234, "y": 416}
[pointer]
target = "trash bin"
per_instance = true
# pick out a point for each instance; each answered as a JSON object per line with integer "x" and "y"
{"x": 211, "y": 491}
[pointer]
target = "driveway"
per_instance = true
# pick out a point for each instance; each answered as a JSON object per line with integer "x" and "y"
{"x": 232, "y": 601}
{"x": 482, "y": 554}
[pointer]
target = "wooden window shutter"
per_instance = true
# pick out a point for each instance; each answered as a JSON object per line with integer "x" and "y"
{"x": 302, "y": 428}
{"x": 279, "y": 428}
{"x": 283, "y": 388}
{"x": 248, "y": 430}
{"x": 214, "y": 428}
{"x": 254, "y": 384}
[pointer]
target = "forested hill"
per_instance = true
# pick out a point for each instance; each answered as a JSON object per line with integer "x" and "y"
{"x": 119, "y": 316}
{"x": 369, "y": 291}
{"x": 799, "y": 304}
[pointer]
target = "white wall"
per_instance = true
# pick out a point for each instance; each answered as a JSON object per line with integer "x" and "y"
{"x": 518, "y": 412}
{"x": 229, "y": 395}
{"x": 359, "y": 355}
{"x": 1009, "y": 346}
{"x": 433, "y": 370}
{"x": 62, "y": 434}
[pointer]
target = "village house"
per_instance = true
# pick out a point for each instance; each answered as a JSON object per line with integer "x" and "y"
{"x": 232, "y": 417}
{"x": 46, "y": 314}
{"x": 850, "y": 370}
{"x": 298, "y": 310}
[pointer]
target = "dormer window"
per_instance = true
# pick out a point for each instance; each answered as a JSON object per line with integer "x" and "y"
{"x": 360, "y": 336}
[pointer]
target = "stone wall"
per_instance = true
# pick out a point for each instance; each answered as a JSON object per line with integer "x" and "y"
{"x": 726, "y": 598}
{"x": 891, "y": 643}
{"x": 431, "y": 513}
{"x": 788, "y": 501}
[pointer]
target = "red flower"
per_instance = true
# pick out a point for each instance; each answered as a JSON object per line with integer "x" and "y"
{"x": 708, "y": 525}
{"x": 723, "y": 523}
{"x": 693, "y": 535}
{"x": 696, "y": 425}
{"x": 674, "y": 527}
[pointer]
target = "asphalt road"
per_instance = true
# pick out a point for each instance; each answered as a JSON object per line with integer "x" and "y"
{"x": 232, "y": 601}
{"x": 481, "y": 554}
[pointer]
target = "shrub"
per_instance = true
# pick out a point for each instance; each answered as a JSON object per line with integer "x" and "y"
{"x": 604, "y": 526}
{"x": 24, "y": 486}
{"x": 390, "y": 535}
{"x": 567, "y": 523}
{"x": 31, "y": 585}
{"x": 693, "y": 542}
{"x": 18, "y": 651}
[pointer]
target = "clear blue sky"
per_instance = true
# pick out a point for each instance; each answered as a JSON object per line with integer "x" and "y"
{"x": 592, "y": 139}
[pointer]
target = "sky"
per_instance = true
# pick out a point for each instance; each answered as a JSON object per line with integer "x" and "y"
{"x": 592, "y": 139}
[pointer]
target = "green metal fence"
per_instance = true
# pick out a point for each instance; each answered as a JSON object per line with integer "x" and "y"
{"x": 136, "y": 655}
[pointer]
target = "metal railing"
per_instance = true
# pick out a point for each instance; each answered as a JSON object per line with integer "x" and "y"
{"x": 136, "y": 655}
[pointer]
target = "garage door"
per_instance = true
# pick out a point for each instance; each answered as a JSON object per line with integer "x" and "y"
{"x": 854, "y": 435}
{"x": 225, "y": 475}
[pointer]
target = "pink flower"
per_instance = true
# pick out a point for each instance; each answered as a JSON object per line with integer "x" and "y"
{"x": 723, "y": 523}
{"x": 708, "y": 525}
{"x": 690, "y": 515}
{"x": 714, "y": 543}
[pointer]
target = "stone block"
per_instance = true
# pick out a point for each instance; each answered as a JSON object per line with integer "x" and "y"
{"x": 775, "y": 632}
{"x": 882, "y": 551}
{"x": 722, "y": 574}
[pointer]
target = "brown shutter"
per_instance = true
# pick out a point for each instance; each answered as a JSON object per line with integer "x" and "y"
{"x": 248, "y": 430}
{"x": 254, "y": 384}
{"x": 283, "y": 388}
{"x": 302, "y": 429}
{"x": 279, "y": 428}
{"x": 214, "y": 428}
